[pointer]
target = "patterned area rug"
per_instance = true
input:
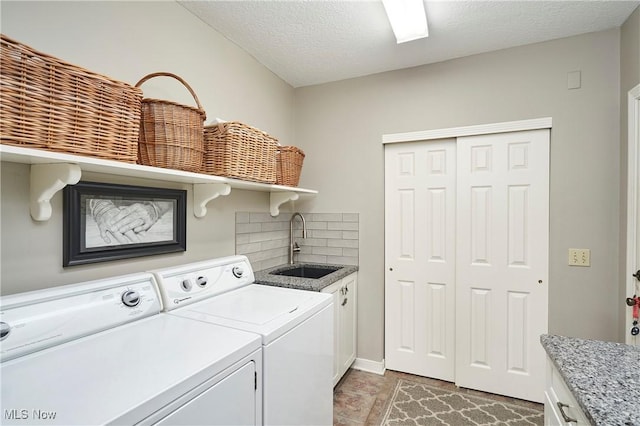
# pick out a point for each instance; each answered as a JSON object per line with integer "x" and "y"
{"x": 419, "y": 404}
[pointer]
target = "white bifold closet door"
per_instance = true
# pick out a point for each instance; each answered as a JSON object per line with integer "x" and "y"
{"x": 466, "y": 246}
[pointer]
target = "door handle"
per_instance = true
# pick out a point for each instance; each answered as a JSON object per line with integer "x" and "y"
{"x": 344, "y": 302}
{"x": 637, "y": 275}
{"x": 566, "y": 418}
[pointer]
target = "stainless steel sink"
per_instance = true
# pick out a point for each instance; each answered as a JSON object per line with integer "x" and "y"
{"x": 306, "y": 271}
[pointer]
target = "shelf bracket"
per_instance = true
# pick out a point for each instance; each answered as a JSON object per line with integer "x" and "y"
{"x": 279, "y": 198}
{"x": 205, "y": 192}
{"x": 46, "y": 181}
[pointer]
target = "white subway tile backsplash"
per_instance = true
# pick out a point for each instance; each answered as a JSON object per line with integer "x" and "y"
{"x": 331, "y": 238}
{"x": 350, "y": 217}
{"x": 268, "y": 236}
{"x": 249, "y": 248}
{"x": 351, "y": 252}
{"x": 260, "y": 217}
{"x": 247, "y": 228}
{"x": 315, "y": 242}
{"x": 241, "y": 238}
{"x": 327, "y": 251}
{"x": 343, "y": 226}
{"x": 242, "y": 217}
{"x": 316, "y": 225}
{"x": 325, "y": 217}
{"x": 344, "y": 260}
{"x": 342, "y": 243}
{"x": 269, "y": 263}
{"x": 311, "y": 258}
{"x": 275, "y": 226}
{"x": 350, "y": 235}
{"x": 319, "y": 233}
{"x": 272, "y": 244}
{"x": 268, "y": 254}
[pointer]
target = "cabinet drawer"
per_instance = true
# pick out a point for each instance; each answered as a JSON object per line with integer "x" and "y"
{"x": 558, "y": 392}
{"x": 552, "y": 414}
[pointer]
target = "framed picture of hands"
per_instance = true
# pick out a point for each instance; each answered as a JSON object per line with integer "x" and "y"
{"x": 103, "y": 222}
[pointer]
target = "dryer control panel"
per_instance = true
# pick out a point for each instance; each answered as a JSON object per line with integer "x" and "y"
{"x": 185, "y": 284}
{"x": 40, "y": 319}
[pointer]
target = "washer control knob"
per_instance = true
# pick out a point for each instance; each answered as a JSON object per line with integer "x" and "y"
{"x": 237, "y": 271}
{"x": 130, "y": 298}
{"x": 202, "y": 281}
{"x": 5, "y": 329}
{"x": 186, "y": 284}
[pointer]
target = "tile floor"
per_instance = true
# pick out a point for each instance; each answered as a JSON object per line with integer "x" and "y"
{"x": 360, "y": 397}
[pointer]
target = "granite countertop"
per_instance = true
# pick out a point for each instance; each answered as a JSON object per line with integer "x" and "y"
{"x": 264, "y": 277}
{"x": 604, "y": 377}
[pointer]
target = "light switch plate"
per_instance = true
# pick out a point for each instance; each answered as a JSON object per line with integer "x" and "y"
{"x": 579, "y": 257}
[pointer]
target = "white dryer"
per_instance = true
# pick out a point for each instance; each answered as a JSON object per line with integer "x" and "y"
{"x": 296, "y": 327}
{"x": 101, "y": 352}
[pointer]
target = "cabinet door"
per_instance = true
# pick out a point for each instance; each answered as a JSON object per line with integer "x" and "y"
{"x": 348, "y": 304}
{"x": 334, "y": 290}
{"x": 336, "y": 336}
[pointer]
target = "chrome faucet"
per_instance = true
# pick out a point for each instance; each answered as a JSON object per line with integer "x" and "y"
{"x": 293, "y": 246}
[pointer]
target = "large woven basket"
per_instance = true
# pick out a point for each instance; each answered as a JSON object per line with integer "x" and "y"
{"x": 236, "y": 150}
{"x": 289, "y": 165}
{"x": 171, "y": 134}
{"x": 49, "y": 104}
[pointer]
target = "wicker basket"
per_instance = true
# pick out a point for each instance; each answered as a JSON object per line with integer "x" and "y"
{"x": 233, "y": 149}
{"x": 50, "y": 104}
{"x": 289, "y": 165}
{"x": 170, "y": 133}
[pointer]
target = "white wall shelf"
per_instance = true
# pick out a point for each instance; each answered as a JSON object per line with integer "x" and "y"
{"x": 52, "y": 171}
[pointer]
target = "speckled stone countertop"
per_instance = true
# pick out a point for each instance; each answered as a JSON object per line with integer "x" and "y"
{"x": 604, "y": 377}
{"x": 264, "y": 277}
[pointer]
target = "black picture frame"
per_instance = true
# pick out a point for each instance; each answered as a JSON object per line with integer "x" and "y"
{"x": 104, "y": 222}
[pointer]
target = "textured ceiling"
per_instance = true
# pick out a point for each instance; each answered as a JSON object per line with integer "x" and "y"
{"x": 308, "y": 42}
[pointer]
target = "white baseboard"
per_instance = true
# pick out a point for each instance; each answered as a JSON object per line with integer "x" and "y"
{"x": 376, "y": 367}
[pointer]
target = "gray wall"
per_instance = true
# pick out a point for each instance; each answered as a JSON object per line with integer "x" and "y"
{"x": 127, "y": 40}
{"x": 629, "y": 57}
{"x": 342, "y": 124}
{"x": 629, "y": 78}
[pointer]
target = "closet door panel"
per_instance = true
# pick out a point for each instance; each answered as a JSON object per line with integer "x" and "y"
{"x": 420, "y": 258}
{"x": 502, "y": 262}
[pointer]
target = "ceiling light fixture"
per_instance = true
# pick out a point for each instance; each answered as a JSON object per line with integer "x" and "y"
{"x": 408, "y": 19}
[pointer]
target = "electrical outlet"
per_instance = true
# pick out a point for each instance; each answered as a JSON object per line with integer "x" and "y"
{"x": 579, "y": 257}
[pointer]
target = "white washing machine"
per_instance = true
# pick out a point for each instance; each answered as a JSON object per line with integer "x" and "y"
{"x": 101, "y": 352}
{"x": 296, "y": 327}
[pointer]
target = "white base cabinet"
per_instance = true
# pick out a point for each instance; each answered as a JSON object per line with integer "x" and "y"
{"x": 560, "y": 406}
{"x": 345, "y": 296}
